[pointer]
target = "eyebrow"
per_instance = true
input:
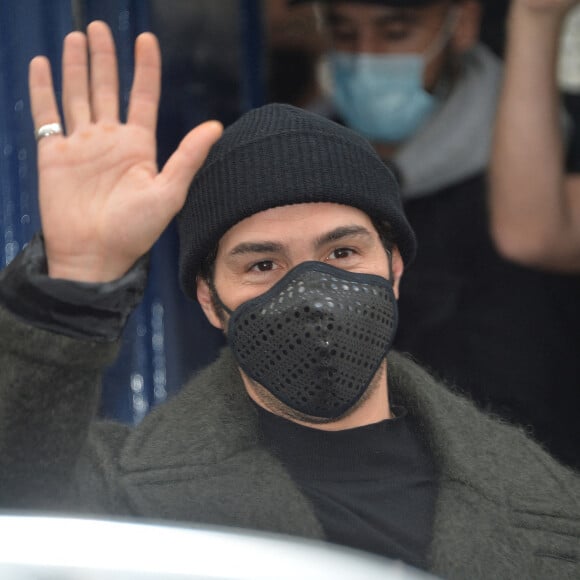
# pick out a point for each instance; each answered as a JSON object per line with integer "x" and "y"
{"x": 256, "y": 248}
{"x": 395, "y": 19}
{"x": 399, "y": 17}
{"x": 268, "y": 247}
{"x": 341, "y": 233}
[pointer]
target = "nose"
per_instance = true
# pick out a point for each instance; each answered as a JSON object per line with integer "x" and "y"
{"x": 366, "y": 42}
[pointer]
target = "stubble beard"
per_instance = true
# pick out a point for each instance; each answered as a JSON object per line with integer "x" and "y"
{"x": 272, "y": 404}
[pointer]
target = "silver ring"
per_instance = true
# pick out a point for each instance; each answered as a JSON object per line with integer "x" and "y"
{"x": 48, "y": 130}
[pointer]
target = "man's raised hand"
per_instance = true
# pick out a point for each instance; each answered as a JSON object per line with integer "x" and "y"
{"x": 103, "y": 202}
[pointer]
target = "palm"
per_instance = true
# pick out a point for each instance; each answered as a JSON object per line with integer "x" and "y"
{"x": 103, "y": 203}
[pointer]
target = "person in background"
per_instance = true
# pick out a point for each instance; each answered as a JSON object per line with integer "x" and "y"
{"x": 413, "y": 78}
{"x": 293, "y": 50}
{"x": 534, "y": 202}
{"x": 294, "y": 241}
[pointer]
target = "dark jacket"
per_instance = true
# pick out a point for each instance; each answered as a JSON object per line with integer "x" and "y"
{"x": 505, "y": 508}
{"x": 507, "y": 335}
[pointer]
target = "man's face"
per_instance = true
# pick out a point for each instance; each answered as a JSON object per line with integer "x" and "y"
{"x": 375, "y": 29}
{"x": 257, "y": 252}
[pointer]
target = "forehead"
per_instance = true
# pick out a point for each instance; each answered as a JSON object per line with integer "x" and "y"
{"x": 294, "y": 223}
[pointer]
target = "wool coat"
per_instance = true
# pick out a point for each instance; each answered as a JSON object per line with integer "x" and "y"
{"x": 504, "y": 509}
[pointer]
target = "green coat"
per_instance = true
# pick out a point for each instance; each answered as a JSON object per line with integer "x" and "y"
{"x": 505, "y": 508}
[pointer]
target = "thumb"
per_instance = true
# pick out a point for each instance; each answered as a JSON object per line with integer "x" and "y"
{"x": 184, "y": 163}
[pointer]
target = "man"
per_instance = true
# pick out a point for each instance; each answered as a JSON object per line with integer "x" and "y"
{"x": 305, "y": 425}
{"x": 413, "y": 78}
{"x": 535, "y": 215}
{"x": 398, "y": 67}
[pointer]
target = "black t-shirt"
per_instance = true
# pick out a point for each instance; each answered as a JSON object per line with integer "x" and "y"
{"x": 372, "y": 488}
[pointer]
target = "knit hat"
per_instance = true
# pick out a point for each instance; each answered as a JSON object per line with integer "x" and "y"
{"x": 281, "y": 155}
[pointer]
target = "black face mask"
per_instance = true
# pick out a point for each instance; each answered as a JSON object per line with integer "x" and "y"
{"x": 316, "y": 338}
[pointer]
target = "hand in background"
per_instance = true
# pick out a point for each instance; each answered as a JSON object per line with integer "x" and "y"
{"x": 103, "y": 202}
{"x": 552, "y": 7}
{"x": 534, "y": 204}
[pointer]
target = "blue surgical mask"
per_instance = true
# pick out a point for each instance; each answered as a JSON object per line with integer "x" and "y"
{"x": 381, "y": 96}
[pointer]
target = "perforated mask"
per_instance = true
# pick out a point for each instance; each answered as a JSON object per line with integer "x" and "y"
{"x": 317, "y": 337}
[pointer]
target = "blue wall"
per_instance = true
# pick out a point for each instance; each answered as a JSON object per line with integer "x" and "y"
{"x": 167, "y": 338}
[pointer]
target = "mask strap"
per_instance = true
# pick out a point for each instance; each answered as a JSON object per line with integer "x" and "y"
{"x": 318, "y": 16}
{"x": 444, "y": 34}
{"x": 390, "y": 257}
{"x": 216, "y": 296}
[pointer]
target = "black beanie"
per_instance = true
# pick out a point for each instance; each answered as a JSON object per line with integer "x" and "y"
{"x": 281, "y": 155}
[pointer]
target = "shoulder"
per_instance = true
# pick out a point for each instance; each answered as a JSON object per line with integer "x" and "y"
{"x": 474, "y": 447}
{"x": 503, "y": 503}
{"x": 209, "y": 419}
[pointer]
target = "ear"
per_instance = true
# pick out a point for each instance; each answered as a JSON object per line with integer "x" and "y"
{"x": 205, "y": 301}
{"x": 398, "y": 268}
{"x": 468, "y": 26}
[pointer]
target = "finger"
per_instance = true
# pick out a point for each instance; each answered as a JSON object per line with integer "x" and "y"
{"x": 75, "y": 83}
{"x": 104, "y": 81}
{"x": 42, "y": 100}
{"x": 182, "y": 166}
{"x": 146, "y": 87}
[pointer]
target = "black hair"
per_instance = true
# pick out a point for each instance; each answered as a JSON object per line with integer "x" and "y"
{"x": 207, "y": 266}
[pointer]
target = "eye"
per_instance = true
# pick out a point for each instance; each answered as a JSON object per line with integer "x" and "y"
{"x": 342, "y": 35}
{"x": 395, "y": 34}
{"x": 341, "y": 253}
{"x": 263, "y": 266}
